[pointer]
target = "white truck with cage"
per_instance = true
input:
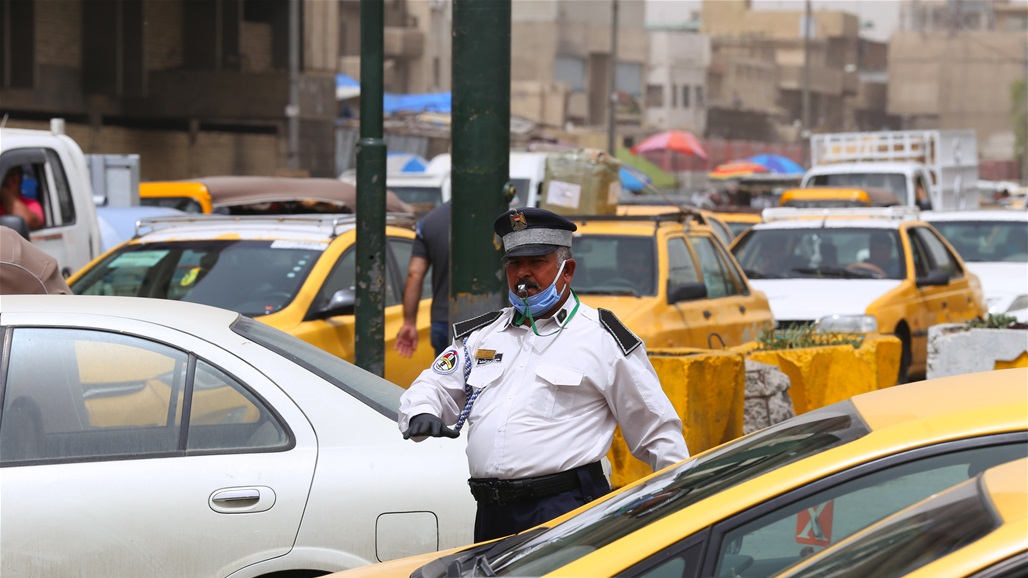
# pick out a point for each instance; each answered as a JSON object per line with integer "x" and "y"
{"x": 941, "y": 163}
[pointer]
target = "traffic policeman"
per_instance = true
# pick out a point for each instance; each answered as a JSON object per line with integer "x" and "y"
{"x": 541, "y": 386}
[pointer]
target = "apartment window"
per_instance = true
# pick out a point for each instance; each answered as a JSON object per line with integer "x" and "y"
{"x": 570, "y": 71}
{"x": 685, "y": 95}
{"x": 699, "y": 96}
{"x": 629, "y": 78}
{"x": 654, "y": 96}
{"x": 674, "y": 96}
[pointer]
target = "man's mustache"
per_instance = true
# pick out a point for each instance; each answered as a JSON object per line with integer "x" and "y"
{"x": 524, "y": 284}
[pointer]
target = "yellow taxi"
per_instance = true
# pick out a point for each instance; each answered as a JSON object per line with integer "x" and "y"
{"x": 673, "y": 206}
{"x": 293, "y": 272}
{"x": 835, "y": 197}
{"x": 757, "y": 505}
{"x": 860, "y": 270}
{"x": 978, "y": 528}
{"x": 186, "y": 196}
{"x": 669, "y": 278}
{"x": 738, "y": 220}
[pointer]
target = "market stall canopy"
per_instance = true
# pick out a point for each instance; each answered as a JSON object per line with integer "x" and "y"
{"x": 633, "y": 180}
{"x": 346, "y": 87}
{"x": 736, "y": 169}
{"x": 673, "y": 141}
{"x": 401, "y": 162}
{"x": 414, "y": 103}
{"x": 777, "y": 164}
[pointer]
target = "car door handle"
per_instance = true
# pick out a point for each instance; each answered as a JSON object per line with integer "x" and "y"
{"x": 242, "y": 499}
{"x": 943, "y": 304}
{"x": 707, "y": 314}
{"x": 742, "y": 309}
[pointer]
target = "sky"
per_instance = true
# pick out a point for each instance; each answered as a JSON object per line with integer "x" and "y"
{"x": 883, "y": 14}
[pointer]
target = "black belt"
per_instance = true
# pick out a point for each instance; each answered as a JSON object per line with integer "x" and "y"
{"x": 494, "y": 491}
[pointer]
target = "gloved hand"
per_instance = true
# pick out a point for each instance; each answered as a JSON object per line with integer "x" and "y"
{"x": 426, "y": 424}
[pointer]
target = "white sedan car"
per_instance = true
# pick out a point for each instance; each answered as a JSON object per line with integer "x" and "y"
{"x": 144, "y": 437}
{"x": 994, "y": 244}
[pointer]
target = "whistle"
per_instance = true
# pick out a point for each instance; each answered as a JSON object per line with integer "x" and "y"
{"x": 522, "y": 290}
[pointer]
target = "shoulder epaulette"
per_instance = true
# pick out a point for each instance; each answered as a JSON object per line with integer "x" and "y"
{"x": 625, "y": 338}
{"x": 462, "y": 328}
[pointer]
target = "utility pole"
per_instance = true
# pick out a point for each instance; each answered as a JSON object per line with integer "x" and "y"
{"x": 612, "y": 120}
{"x": 808, "y": 29}
{"x": 369, "y": 330}
{"x": 481, "y": 154}
{"x": 293, "y": 108}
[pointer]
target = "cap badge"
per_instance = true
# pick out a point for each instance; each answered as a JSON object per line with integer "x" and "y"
{"x": 517, "y": 221}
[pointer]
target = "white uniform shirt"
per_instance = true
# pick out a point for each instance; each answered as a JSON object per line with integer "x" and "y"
{"x": 549, "y": 403}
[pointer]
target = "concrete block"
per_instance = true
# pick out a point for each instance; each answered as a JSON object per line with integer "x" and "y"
{"x": 767, "y": 397}
{"x": 955, "y": 349}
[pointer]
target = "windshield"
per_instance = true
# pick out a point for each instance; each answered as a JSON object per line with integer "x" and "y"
{"x": 249, "y": 277}
{"x": 523, "y": 188}
{"x": 895, "y": 182}
{"x": 419, "y": 195}
{"x": 987, "y": 241}
{"x": 917, "y": 537}
{"x": 814, "y": 253}
{"x": 614, "y": 265}
{"x": 669, "y": 492}
{"x": 381, "y": 395}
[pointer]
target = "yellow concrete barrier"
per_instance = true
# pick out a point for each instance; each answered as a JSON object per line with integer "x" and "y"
{"x": 707, "y": 389}
{"x": 1019, "y": 361}
{"x": 821, "y": 376}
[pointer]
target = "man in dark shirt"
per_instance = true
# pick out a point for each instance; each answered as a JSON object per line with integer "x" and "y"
{"x": 431, "y": 250}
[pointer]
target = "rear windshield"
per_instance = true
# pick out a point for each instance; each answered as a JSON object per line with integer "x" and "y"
{"x": 615, "y": 265}
{"x": 821, "y": 252}
{"x": 248, "y": 277}
{"x": 377, "y": 393}
{"x": 674, "y": 490}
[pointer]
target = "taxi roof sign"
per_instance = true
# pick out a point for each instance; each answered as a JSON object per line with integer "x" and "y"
{"x": 898, "y": 213}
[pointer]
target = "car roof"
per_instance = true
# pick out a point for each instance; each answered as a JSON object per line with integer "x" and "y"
{"x": 865, "y": 167}
{"x": 166, "y": 312}
{"x": 638, "y": 224}
{"x": 320, "y": 227}
{"x": 1012, "y": 215}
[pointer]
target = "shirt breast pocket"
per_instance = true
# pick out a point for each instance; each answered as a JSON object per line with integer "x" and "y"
{"x": 557, "y": 390}
{"x": 483, "y": 375}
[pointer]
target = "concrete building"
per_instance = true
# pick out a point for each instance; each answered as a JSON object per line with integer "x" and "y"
{"x": 676, "y": 90}
{"x": 952, "y": 67}
{"x": 194, "y": 87}
{"x": 833, "y": 51}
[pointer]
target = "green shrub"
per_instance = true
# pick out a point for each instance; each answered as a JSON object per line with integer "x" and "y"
{"x": 802, "y": 336}
{"x": 993, "y": 321}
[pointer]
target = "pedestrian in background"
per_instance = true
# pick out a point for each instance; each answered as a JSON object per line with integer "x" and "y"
{"x": 542, "y": 385}
{"x": 431, "y": 250}
{"x": 12, "y": 202}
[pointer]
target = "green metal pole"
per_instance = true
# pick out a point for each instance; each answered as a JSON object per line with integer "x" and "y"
{"x": 369, "y": 334}
{"x": 481, "y": 153}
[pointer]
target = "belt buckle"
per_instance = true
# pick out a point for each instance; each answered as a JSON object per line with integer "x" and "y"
{"x": 494, "y": 493}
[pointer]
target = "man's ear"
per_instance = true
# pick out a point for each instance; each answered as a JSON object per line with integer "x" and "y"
{"x": 569, "y": 269}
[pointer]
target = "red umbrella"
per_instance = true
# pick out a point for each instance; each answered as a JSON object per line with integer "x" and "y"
{"x": 678, "y": 141}
{"x": 736, "y": 169}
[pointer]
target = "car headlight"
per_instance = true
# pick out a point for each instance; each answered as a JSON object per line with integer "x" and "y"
{"x": 1021, "y": 302}
{"x": 847, "y": 324}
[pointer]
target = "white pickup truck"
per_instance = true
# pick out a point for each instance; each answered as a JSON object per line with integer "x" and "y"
{"x": 55, "y": 173}
{"x": 942, "y": 163}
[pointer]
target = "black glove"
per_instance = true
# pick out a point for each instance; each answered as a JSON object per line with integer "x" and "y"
{"x": 426, "y": 424}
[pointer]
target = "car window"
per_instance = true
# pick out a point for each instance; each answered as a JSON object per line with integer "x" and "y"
{"x": 687, "y": 483}
{"x": 395, "y": 280}
{"x": 987, "y": 241}
{"x": 250, "y": 277}
{"x": 681, "y": 267}
{"x": 716, "y": 274}
{"x": 86, "y": 394}
{"x": 380, "y": 395}
{"x": 776, "y": 539}
{"x": 920, "y": 254}
{"x": 938, "y": 254}
{"x": 614, "y": 265}
{"x": 913, "y": 539}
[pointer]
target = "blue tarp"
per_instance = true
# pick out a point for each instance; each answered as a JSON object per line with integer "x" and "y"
{"x": 633, "y": 180}
{"x": 401, "y": 162}
{"x": 432, "y": 102}
{"x": 777, "y": 164}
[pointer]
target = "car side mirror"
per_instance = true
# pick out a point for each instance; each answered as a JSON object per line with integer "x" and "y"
{"x": 342, "y": 302}
{"x": 934, "y": 278}
{"x": 17, "y": 223}
{"x": 686, "y": 292}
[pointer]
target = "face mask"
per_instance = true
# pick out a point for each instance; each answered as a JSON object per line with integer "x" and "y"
{"x": 541, "y": 302}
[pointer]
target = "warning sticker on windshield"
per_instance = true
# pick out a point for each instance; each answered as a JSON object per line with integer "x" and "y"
{"x": 309, "y": 245}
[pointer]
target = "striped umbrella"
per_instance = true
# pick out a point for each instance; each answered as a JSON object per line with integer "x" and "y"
{"x": 736, "y": 169}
